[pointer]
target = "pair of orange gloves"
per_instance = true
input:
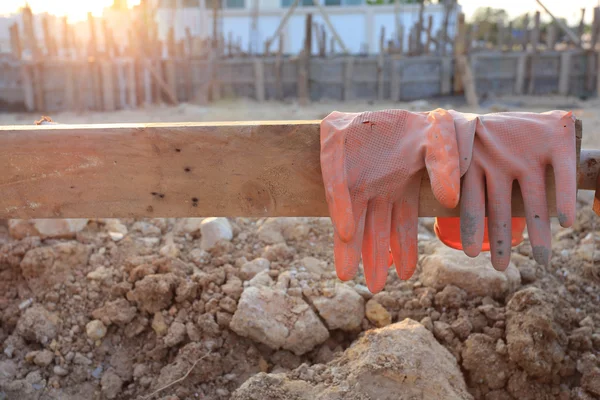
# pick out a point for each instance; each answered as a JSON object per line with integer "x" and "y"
{"x": 372, "y": 164}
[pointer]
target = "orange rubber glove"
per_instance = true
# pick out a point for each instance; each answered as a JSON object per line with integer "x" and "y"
{"x": 447, "y": 229}
{"x": 518, "y": 146}
{"x": 372, "y": 164}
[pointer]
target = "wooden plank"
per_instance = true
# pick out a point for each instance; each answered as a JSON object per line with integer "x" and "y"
{"x": 501, "y": 35}
{"x": 171, "y": 72}
{"x": 520, "y": 73}
{"x": 581, "y": 27}
{"x": 525, "y": 38}
{"x": 16, "y": 48}
{"x": 29, "y": 31}
{"x": 598, "y": 74}
{"x": 381, "y": 65}
{"x": 429, "y": 35}
{"x": 446, "y": 78}
{"x": 66, "y": 43}
{"x": 464, "y": 69}
{"x": 535, "y": 39}
{"x": 252, "y": 169}
{"x": 28, "y": 90}
{"x": 565, "y": 73}
{"x": 131, "y": 84}
{"x": 348, "y": 79}
{"x": 459, "y": 49}
{"x": 161, "y": 83}
{"x": 419, "y": 29}
{"x": 570, "y": 34}
{"x": 551, "y": 36}
{"x": 108, "y": 86}
{"x": 279, "y": 70}
{"x": 259, "y": 79}
{"x": 38, "y": 86}
{"x": 509, "y": 37}
{"x": 121, "y": 66}
{"x": 304, "y": 64}
{"x": 93, "y": 44}
{"x": 331, "y": 27}
{"x": 395, "y": 84}
{"x": 69, "y": 76}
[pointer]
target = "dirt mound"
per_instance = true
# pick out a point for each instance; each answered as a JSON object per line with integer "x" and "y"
{"x": 186, "y": 309}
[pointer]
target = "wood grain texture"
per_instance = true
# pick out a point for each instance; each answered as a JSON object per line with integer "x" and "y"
{"x": 251, "y": 169}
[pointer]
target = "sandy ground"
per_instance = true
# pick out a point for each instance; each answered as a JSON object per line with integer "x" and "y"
{"x": 137, "y": 309}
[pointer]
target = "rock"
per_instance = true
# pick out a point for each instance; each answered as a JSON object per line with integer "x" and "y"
{"x": 535, "y": 341}
{"x": 277, "y": 230}
{"x": 169, "y": 250}
{"x": 60, "y": 371}
{"x": 277, "y": 320}
{"x": 44, "y": 267}
{"x": 233, "y": 288}
{"x": 400, "y": 361}
{"x": 476, "y": 276}
{"x": 146, "y": 228}
{"x": 377, "y": 314}
{"x": 154, "y": 292}
{"x": 451, "y": 297}
{"x": 250, "y": 269}
{"x": 43, "y": 358}
{"x": 176, "y": 334}
{"x": 279, "y": 251}
{"x": 100, "y": 274}
{"x": 111, "y": 384}
{"x": 8, "y": 370}
{"x": 190, "y": 226}
{"x": 478, "y": 355}
{"x": 344, "y": 310}
{"x": 159, "y": 325}
{"x": 587, "y": 321}
{"x": 116, "y": 230}
{"x": 213, "y": 230}
{"x": 118, "y": 312}
{"x": 199, "y": 257}
{"x": 80, "y": 359}
{"x": 46, "y": 228}
{"x": 95, "y": 330}
{"x": 443, "y": 331}
{"x": 38, "y": 324}
{"x": 590, "y": 381}
{"x": 462, "y": 327}
{"x": 261, "y": 279}
{"x": 270, "y": 231}
{"x": 315, "y": 266}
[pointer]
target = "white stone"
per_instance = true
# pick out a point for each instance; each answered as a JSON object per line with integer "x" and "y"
{"x": 277, "y": 320}
{"x": 95, "y": 330}
{"x": 213, "y": 230}
{"x": 476, "y": 276}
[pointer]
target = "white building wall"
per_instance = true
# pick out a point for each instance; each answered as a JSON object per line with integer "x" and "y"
{"x": 357, "y": 25}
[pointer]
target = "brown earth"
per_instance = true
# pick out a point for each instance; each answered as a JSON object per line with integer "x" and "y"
{"x": 136, "y": 309}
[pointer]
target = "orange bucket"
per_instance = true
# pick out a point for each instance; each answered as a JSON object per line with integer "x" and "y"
{"x": 447, "y": 229}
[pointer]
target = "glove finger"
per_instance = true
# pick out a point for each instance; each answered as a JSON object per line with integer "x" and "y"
{"x": 333, "y": 169}
{"x": 536, "y": 214}
{"x": 347, "y": 254}
{"x": 376, "y": 243}
{"x": 565, "y": 177}
{"x": 499, "y": 221}
{"x": 404, "y": 233}
{"x": 472, "y": 211}
{"x": 442, "y": 158}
